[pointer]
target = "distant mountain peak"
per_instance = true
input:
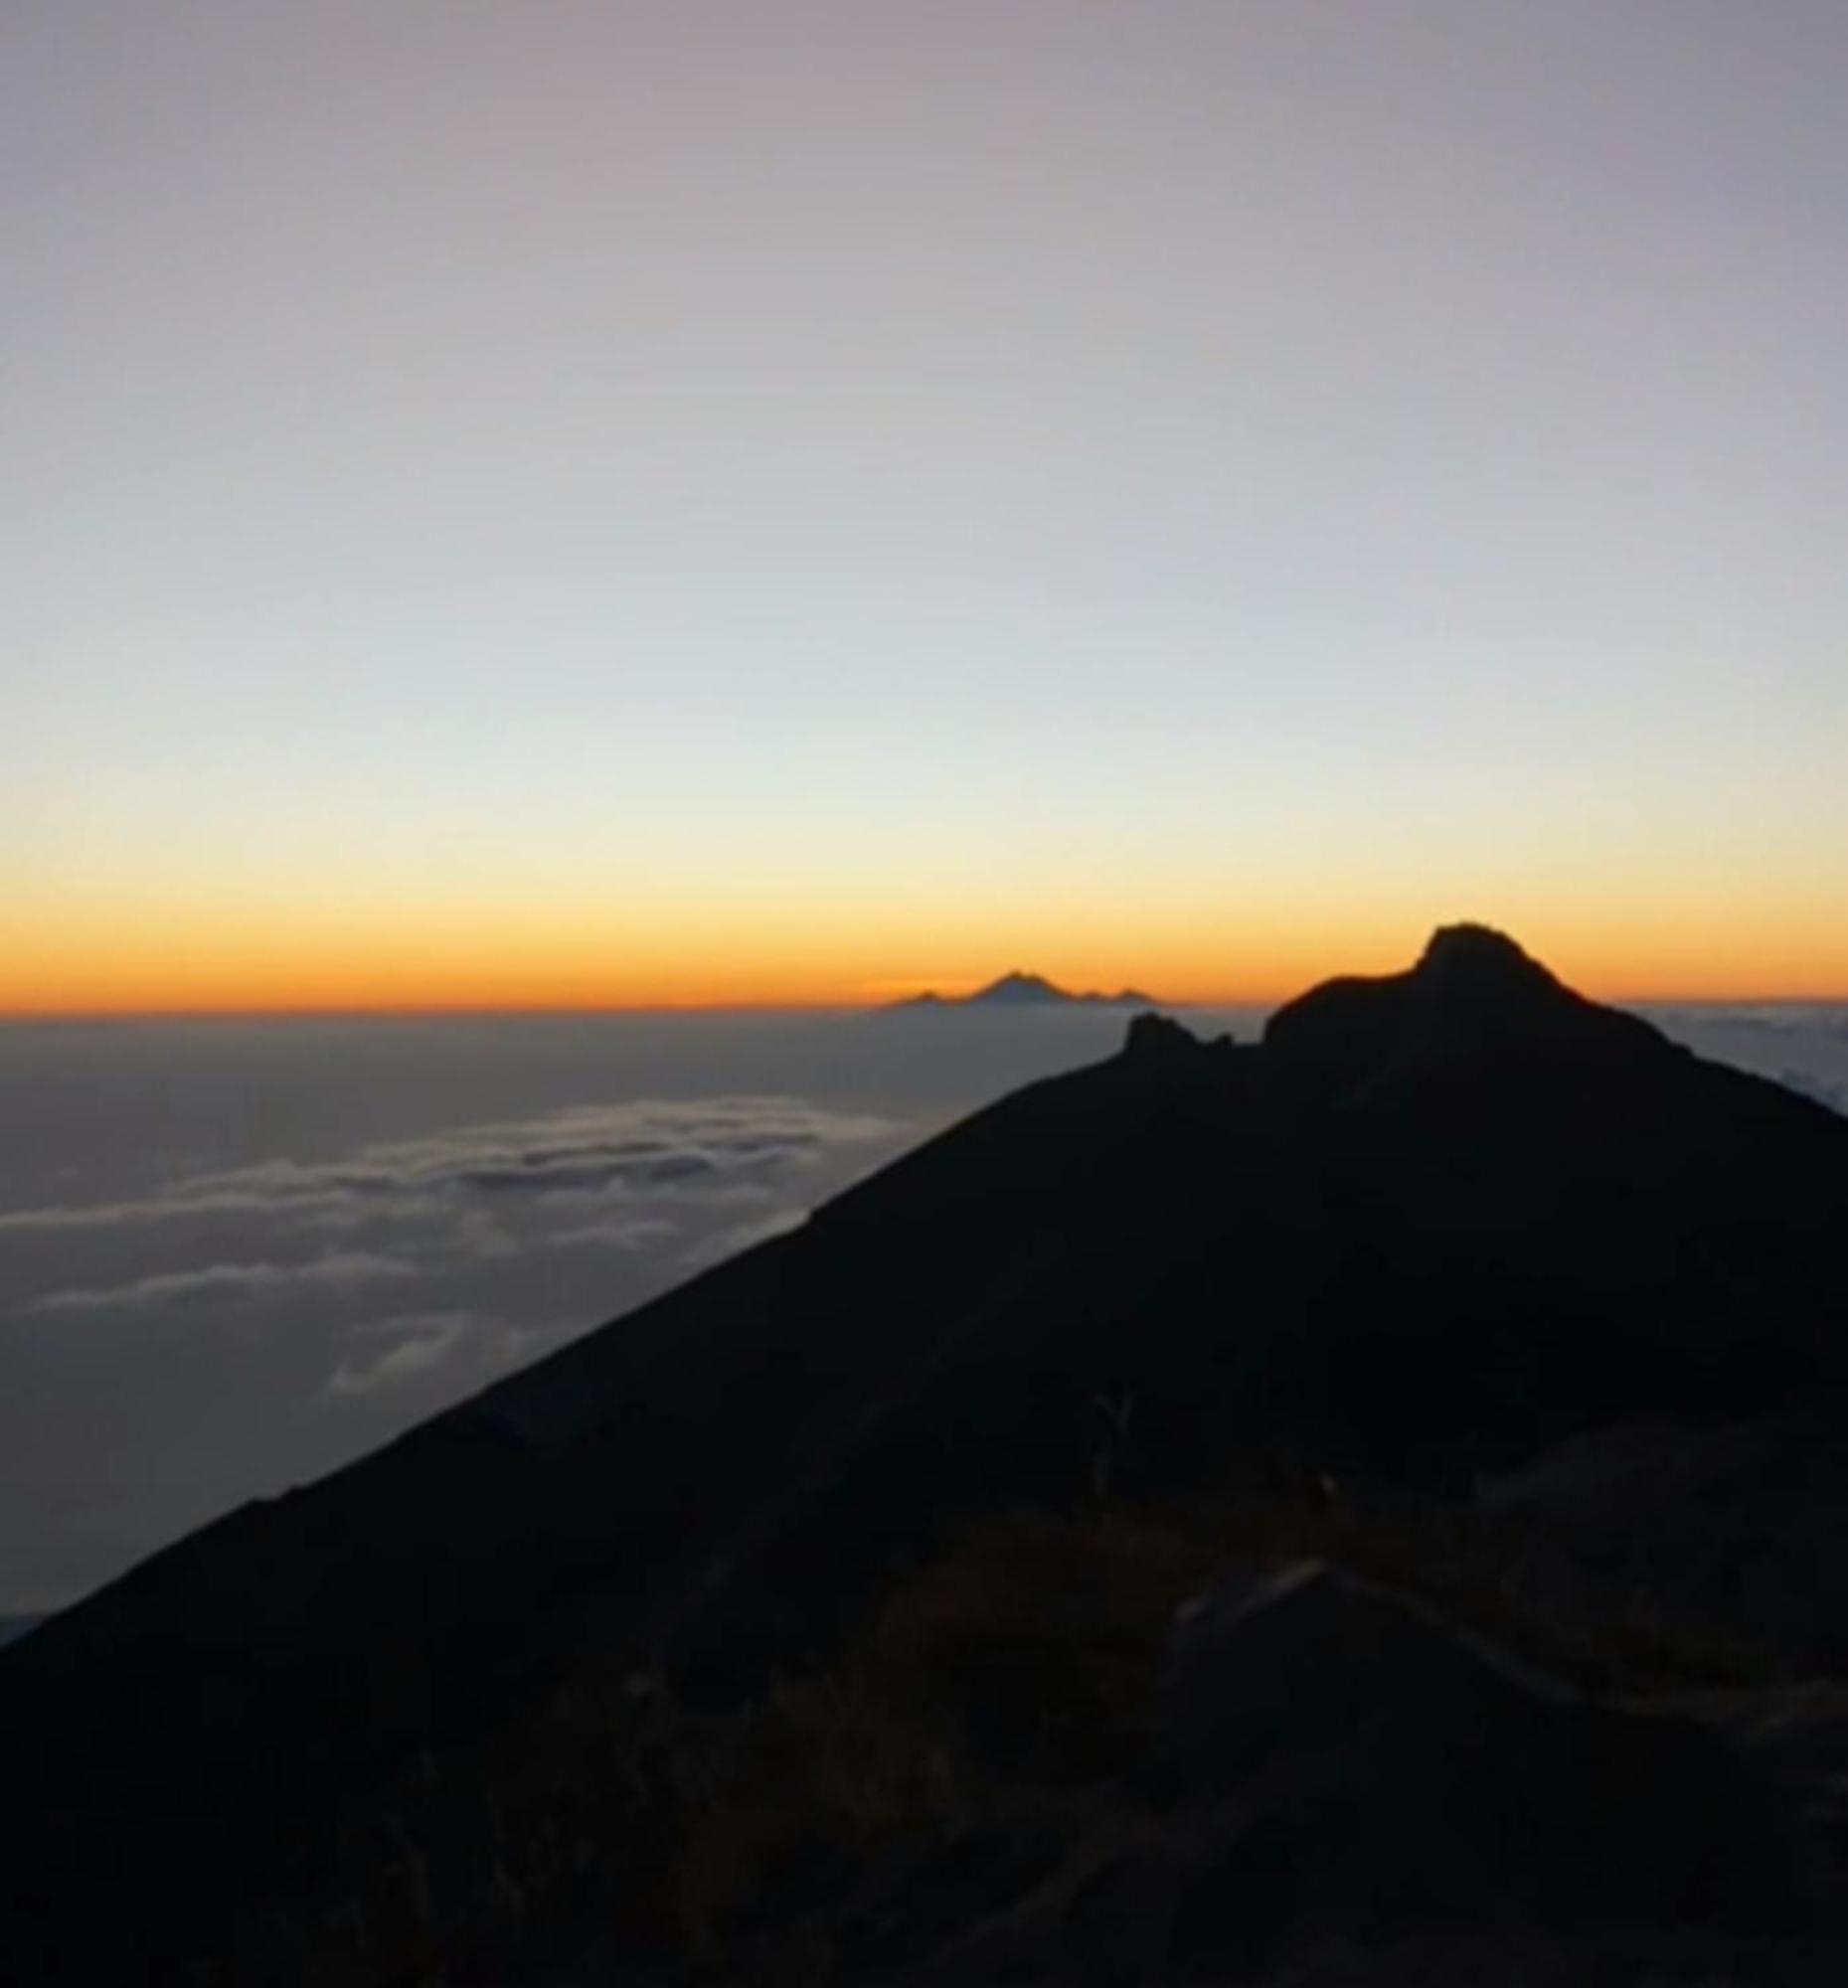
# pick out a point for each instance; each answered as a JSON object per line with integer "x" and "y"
{"x": 1473, "y": 988}
{"x": 1016, "y": 985}
{"x": 1018, "y": 989}
{"x": 1470, "y": 959}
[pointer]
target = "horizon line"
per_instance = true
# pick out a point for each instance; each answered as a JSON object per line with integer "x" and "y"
{"x": 847, "y": 1005}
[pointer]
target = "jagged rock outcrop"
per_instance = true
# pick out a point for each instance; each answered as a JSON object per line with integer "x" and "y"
{"x": 1160, "y": 1040}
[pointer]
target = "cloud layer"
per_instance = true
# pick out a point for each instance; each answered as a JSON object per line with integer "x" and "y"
{"x": 233, "y": 1258}
{"x": 667, "y": 1179}
{"x": 167, "y": 1351}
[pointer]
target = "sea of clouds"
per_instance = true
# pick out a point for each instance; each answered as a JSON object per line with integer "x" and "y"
{"x": 235, "y": 1255}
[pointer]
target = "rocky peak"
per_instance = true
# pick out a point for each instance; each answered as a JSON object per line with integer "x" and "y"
{"x": 1475, "y": 964}
{"x": 1472, "y": 992}
{"x": 1158, "y": 1039}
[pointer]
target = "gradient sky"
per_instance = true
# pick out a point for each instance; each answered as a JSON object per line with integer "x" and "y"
{"x": 789, "y": 500}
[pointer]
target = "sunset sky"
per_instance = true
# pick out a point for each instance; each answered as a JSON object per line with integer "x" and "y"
{"x": 797, "y": 500}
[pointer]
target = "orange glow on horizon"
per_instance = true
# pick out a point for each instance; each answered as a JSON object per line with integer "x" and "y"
{"x": 384, "y": 961}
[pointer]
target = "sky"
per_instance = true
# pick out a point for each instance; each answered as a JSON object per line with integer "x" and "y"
{"x": 730, "y": 502}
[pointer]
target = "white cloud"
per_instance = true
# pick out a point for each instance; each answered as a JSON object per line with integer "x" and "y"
{"x": 420, "y": 1342}
{"x": 745, "y": 1236}
{"x": 403, "y": 1362}
{"x": 588, "y": 1150}
{"x": 344, "y": 1270}
{"x": 591, "y": 1206}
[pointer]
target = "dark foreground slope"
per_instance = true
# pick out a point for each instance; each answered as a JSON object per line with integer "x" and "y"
{"x": 1432, "y": 1225}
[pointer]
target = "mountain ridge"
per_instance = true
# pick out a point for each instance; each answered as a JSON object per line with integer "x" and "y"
{"x": 1432, "y": 1223}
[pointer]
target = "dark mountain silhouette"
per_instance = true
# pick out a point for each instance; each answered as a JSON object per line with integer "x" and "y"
{"x": 1432, "y": 1225}
{"x": 1023, "y": 990}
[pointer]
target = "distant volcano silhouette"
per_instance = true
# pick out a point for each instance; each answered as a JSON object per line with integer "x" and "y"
{"x": 1026, "y": 990}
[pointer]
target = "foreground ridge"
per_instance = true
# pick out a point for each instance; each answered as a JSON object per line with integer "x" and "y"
{"x": 1406, "y": 1289}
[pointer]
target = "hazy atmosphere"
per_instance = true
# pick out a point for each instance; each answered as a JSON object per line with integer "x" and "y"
{"x": 519, "y": 505}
